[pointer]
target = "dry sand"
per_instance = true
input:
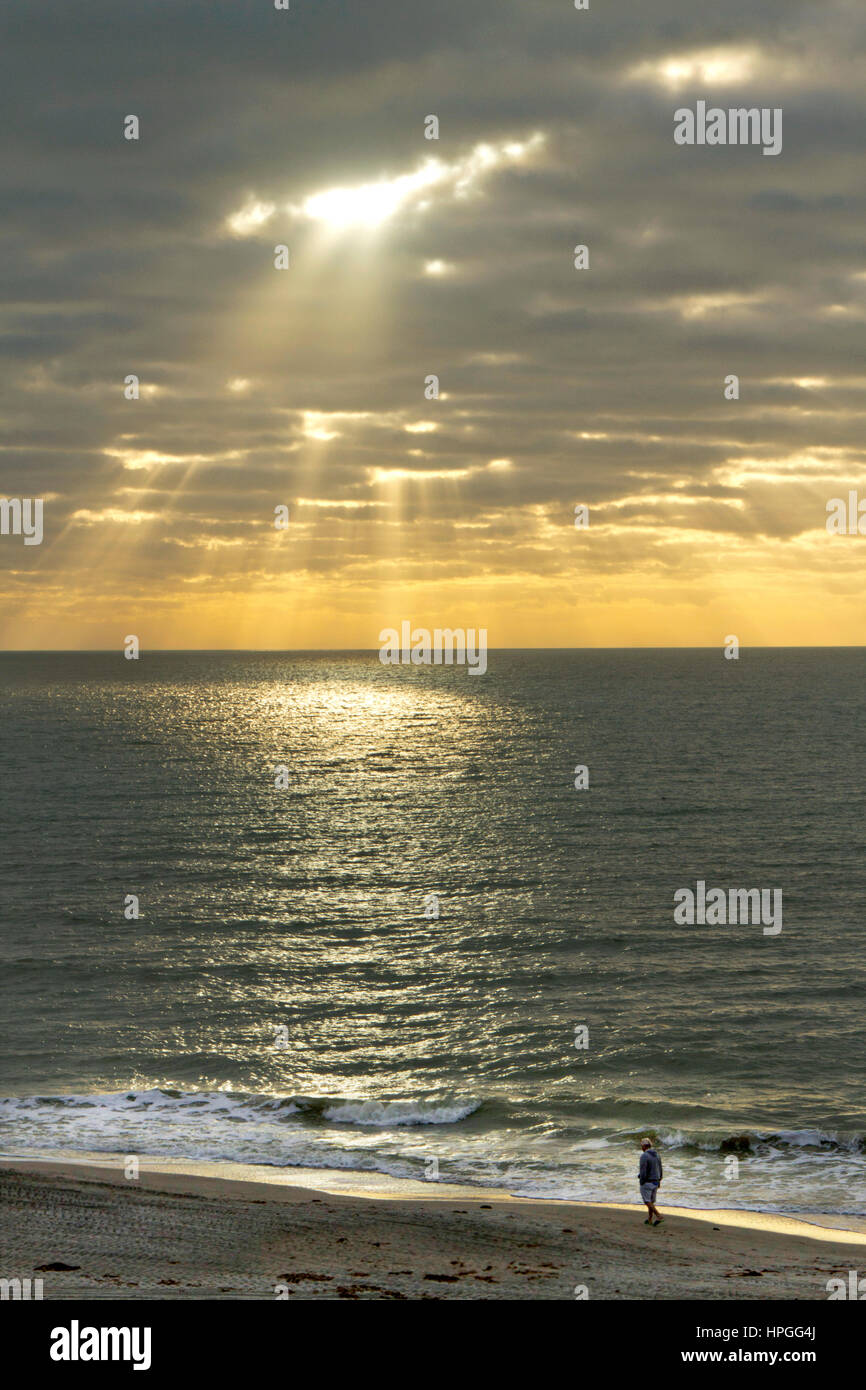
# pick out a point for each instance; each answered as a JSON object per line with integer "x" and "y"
{"x": 227, "y": 1231}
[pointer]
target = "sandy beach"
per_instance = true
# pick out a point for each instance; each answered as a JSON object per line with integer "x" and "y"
{"x": 203, "y": 1231}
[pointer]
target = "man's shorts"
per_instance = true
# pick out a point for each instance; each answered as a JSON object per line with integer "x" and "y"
{"x": 648, "y": 1191}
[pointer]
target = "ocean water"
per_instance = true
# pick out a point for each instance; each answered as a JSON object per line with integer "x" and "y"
{"x": 283, "y": 999}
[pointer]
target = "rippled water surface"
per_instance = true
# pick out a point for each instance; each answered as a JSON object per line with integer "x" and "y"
{"x": 283, "y": 998}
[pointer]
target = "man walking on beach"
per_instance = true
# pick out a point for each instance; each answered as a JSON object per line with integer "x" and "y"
{"x": 649, "y": 1177}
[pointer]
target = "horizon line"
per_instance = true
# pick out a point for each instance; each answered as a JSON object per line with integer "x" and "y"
{"x": 288, "y": 651}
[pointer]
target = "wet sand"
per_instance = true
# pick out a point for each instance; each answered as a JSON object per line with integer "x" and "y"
{"x": 202, "y": 1231}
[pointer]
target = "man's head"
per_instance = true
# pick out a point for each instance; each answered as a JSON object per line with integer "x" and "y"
{"x": 646, "y": 1144}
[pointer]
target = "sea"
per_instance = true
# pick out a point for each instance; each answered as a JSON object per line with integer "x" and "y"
{"x": 303, "y": 910}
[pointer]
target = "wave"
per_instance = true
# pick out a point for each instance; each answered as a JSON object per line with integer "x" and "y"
{"x": 762, "y": 1141}
{"x": 240, "y": 1106}
{"x": 410, "y": 1111}
{"x": 509, "y": 1145}
{"x": 395, "y": 1112}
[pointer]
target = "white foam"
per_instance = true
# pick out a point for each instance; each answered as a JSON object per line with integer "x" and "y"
{"x": 384, "y": 1113}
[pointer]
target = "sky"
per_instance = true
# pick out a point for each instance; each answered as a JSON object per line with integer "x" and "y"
{"x": 408, "y": 258}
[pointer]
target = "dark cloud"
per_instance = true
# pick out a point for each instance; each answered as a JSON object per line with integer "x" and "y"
{"x": 603, "y": 386}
